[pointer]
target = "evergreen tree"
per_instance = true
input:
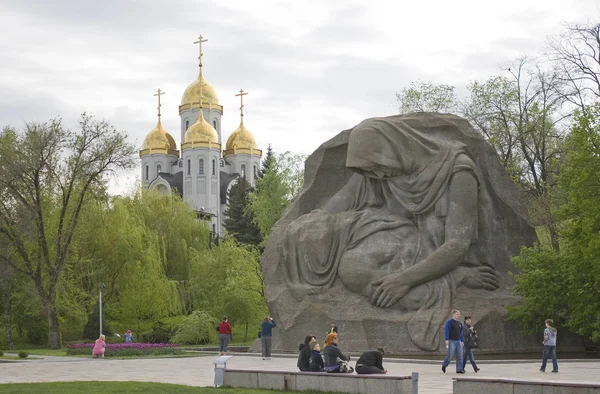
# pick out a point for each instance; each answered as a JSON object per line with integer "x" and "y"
{"x": 239, "y": 220}
{"x": 269, "y": 162}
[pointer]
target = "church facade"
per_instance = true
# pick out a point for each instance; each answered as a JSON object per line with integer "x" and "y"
{"x": 203, "y": 170}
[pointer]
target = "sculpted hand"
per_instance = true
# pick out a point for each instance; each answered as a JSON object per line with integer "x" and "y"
{"x": 482, "y": 277}
{"x": 389, "y": 291}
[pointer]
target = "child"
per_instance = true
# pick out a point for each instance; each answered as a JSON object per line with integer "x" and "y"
{"x": 128, "y": 337}
{"x": 316, "y": 361}
{"x": 549, "y": 346}
{"x": 99, "y": 347}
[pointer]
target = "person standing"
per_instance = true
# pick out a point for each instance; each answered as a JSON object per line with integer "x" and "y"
{"x": 549, "y": 346}
{"x": 453, "y": 332}
{"x": 266, "y": 332}
{"x": 470, "y": 343}
{"x": 224, "y": 335}
{"x": 370, "y": 362}
{"x": 333, "y": 329}
{"x": 128, "y": 337}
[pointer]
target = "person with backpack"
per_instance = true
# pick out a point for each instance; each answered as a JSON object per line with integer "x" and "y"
{"x": 549, "y": 346}
{"x": 471, "y": 342}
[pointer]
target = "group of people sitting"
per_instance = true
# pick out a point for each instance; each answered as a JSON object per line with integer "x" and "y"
{"x": 333, "y": 360}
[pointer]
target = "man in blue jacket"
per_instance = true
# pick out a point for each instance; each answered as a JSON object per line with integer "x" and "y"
{"x": 453, "y": 332}
{"x": 266, "y": 332}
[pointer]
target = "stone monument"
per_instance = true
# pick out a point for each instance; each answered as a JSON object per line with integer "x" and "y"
{"x": 400, "y": 220}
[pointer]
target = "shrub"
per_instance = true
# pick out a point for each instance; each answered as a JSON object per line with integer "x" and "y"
{"x": 23, "y": 354}
{"x": 196, "y": 329}
{"x": 126, "y": 349}
{"x": 1, "y": 353}
{"x": 162, "y": 330}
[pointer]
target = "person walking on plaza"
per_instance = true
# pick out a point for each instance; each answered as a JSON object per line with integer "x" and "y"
{"x": 549, "y": 346}
{"x": 370, "y": 362}
{"x": 266, "y": 332}
{"x": 471, "y": 342}
{"x": 224, "y": 335}
{"x": 453, "y": 332}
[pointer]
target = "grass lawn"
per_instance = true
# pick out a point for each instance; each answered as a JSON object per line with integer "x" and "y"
{"x": 124, "y": 387}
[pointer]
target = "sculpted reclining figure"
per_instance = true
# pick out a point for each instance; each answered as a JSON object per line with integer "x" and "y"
{"x": 408, "y": 228}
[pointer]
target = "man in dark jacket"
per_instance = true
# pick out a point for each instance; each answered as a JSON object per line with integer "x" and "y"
{"x": 304, "y": 355}
{"x": 371, "y": 362}
{"x": 316, "y": 360}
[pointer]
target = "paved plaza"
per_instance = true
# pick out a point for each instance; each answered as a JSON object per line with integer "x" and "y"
{"x": 199, "y": 371}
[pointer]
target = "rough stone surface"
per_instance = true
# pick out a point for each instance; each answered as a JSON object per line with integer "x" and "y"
{"x": 378, "y": 203}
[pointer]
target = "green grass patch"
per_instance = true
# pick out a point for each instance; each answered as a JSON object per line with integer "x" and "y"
{"x": 126, "y": 387}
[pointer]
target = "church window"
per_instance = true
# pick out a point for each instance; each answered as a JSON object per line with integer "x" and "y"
{"x": 214, "y": 228}
{"x": 215, "y": 124}
{"x": 201, "y": 167}
{"x": 157, "y": 169}
{"x": 214, "y": 169}
{"x": 187, "y": 124}
{"x": 254, "y": 172}
{"x": 147, "y": 172}
{"x": 243, "y": 170}
{"x": 189, "y": 167}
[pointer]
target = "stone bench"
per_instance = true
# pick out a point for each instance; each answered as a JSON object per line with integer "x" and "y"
{"x": 319, "y": 381}
{"x": 522, "y": 386}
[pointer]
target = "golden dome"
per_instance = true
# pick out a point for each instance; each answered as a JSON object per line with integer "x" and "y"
{"x": 191, "y": 96}
{"x": 241, "y": 141}
{"x": 200, "y": 133}
{"x": 159, "y": 141}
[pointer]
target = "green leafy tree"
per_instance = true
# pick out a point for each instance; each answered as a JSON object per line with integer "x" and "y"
{"x": 239, "y": 220}
{"x": 196, "y": 329}
{"x": 427, "y": 97}
{"x": 49, "y": 174}
{"x": 565, "y": 283}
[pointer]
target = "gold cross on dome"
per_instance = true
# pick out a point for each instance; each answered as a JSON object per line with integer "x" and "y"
{"x": 159, "y": 93}
{"x": 241, "y": 95}
{"x": 199, "y": 42}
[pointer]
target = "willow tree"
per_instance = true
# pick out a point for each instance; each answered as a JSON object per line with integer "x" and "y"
{"x": 47, "y": 175}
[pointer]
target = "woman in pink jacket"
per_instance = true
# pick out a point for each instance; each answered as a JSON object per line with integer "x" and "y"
{"x": 99, "y": 347}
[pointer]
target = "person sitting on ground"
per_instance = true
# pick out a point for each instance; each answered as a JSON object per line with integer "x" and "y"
{"x": 316, "y": 361}
{"x": 332, "y": 353}
{"x": 304, "y": 355}
{"x": 99, "y": 347}
{"x": 371, "y": 362}
{"x": 128, "y": 337}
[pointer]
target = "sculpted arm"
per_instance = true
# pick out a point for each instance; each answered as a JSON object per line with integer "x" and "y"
{"x": 460, "y": 228}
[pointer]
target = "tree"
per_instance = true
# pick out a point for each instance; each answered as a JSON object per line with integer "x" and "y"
{"x": 268, "y": 162}
{"x": 49, "y": 174}
{"x": 427, "y": 97}
{"x": 576, "y": 54}
{"x": 239, "y": 220}
{"x": 566, "y": 283}
{"x": 7, "y": 288}
{"x": 279, "y": 184}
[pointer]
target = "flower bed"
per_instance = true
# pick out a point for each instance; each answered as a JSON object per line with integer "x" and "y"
{"x": 126, "y": 349}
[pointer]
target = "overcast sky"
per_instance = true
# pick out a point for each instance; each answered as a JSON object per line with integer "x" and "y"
{"x": 312, "y": 68}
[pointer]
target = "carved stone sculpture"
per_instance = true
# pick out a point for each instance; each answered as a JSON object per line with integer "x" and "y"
{"x": 400, "y": 220}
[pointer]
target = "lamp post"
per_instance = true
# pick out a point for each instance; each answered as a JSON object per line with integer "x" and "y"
{"x": 101, "y": 287}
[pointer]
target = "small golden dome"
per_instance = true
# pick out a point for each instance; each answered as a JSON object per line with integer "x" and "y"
{"x": 241, "y": 141}
{"x": 191, "y": 96}
{"x": 201, "y": 132}
{"x": 159, "y": 141}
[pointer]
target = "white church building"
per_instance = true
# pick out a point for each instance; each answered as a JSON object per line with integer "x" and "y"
{"x": 202, "y": 171}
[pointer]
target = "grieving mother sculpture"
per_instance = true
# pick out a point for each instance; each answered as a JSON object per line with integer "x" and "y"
{"x": 419, "y": 216}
